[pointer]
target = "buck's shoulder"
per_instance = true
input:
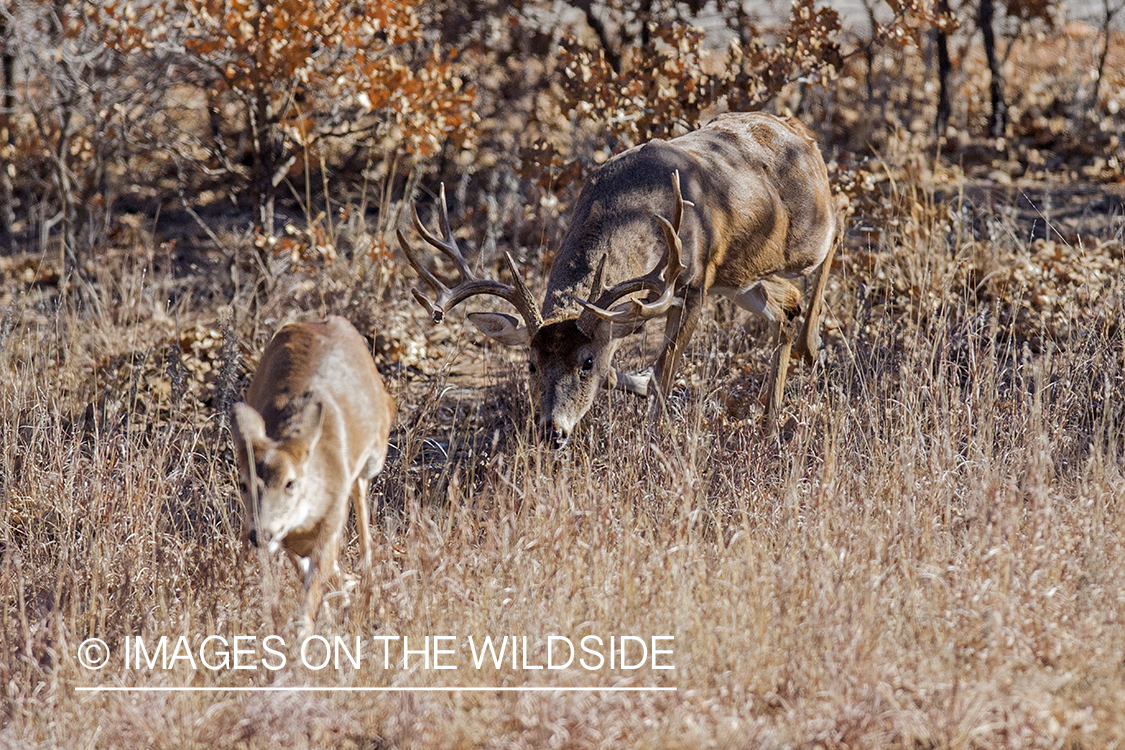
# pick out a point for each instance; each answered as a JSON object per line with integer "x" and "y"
{"x": 762, "y": 127}
{"x": 646, "y": 166}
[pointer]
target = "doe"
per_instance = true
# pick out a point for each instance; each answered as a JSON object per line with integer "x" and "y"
{"x": 313, "y": 431}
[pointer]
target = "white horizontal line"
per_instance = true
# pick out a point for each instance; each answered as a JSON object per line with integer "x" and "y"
{"x": 315, "y": 689}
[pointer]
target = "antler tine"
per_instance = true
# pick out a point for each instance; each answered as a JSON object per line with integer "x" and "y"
{"x": 673, "y": 265}
{"x": 523, "y": 301}
{"x": 436, "y": 311}
{"x": 448, "y": 246}
{"x": 640, "y": 311}
{"x": 678, "y": 211}
{"x": 672, "y": 230}
{"x": 597, "y": 288}
{"x": 468, "y": 285}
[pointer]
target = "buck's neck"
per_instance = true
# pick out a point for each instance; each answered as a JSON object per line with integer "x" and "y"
{"x": 615, "y": 216}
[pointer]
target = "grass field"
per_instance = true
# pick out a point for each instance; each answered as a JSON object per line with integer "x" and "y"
{"x": 929, "y": 556}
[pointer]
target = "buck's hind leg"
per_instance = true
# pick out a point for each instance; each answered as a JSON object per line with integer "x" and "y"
{"x": 778, "y": 301}
{"x": 784, "y": 304}
{"x": 783, "y": 343}
{"x": 809, "y": 341}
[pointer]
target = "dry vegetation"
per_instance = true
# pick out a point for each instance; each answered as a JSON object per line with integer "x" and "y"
{"x": 929, "y": 556}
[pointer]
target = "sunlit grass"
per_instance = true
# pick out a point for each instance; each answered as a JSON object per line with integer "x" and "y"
{"x": 931, "y": 559}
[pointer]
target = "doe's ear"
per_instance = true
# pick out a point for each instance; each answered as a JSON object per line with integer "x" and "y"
{"x": 304, "y": 429}
{"x": 248, "y": 425}
{"x": 499, "y": 327}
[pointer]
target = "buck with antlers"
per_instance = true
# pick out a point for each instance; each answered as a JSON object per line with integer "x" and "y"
{"x": 751, "y": 212}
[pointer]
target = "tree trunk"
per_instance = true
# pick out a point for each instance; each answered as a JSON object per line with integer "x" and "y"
{"x": 1107, "y": 30}
{"x": 944, "y": 69}
{"x": 265, "y": 163}
{"x": 998, "y": 121}
{"x": 869, "y": 52}
{"x": 68, "y": 253}
{"x": 612, "y": 56}
{"x": 215, "y": 127}
{"x": 7, "y": 107}
{"x": 266, "y": 156}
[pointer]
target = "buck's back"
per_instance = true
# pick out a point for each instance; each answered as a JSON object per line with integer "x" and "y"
{"x": 757, "y": 183}
{"x": 767, "y": 188}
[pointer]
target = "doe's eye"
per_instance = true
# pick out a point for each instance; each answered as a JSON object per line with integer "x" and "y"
{"x": 588, "y": 364}
{"x": 243, "y": 487}
{"x": 290, "y": 485}
{"x": 532, "y": 368}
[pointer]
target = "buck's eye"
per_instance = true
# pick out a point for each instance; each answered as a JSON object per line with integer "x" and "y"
{"x": 588, "y": 364}
{"x": 291, "y": 485}
{"x": 243, "y": 487}
{"x": 532, "y": 368}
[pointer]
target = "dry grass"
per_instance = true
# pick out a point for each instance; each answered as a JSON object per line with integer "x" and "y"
{"x": 932, "y": 559}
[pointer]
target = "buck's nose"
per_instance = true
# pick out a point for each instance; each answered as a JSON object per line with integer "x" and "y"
{"x": 254, "y": 537}
{"x": 552, "y": 432}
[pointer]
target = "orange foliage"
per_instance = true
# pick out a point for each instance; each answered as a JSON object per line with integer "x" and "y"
{"x": 312, "y": 69}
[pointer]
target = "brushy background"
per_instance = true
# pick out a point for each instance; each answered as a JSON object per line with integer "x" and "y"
{"x": 929, "y": 556}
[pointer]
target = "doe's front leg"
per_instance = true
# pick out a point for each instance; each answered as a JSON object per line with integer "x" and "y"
{"x": 362, "y": 519}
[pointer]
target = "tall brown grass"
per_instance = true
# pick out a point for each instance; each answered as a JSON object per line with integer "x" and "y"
{"x": 930, "y": 556}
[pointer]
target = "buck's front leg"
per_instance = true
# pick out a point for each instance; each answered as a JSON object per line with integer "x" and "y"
{"x": 680, "y": 325}
{"x": 681, "y": 322}
{"x": 639, "y": 384}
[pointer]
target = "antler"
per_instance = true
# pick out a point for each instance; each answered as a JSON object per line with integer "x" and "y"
{"x": 661, "y": 280}
{"x": 469, "y": 285}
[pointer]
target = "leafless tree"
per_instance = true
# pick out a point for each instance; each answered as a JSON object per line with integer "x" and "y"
{"x": 1109, "y": 13}
{"x": 998, "y": 119}
{"x": 7, "y": 108}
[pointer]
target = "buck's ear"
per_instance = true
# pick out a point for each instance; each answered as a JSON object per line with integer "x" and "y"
{"x": 606, "y": 330}
{"x": 248, "y": 425}
{"x": 500, "y": 327}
